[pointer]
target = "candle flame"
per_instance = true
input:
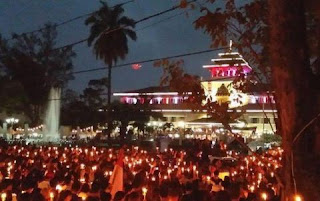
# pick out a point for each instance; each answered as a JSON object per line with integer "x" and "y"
{"x": 297, "y": 198}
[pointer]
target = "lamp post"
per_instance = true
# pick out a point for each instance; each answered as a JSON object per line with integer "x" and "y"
{"x": 11, "y": 122}
{"x": 182, "y": 125}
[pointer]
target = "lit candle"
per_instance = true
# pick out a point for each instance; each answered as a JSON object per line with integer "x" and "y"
{"x": 51, "y": 194}
{"x": 264, "y": 196}
{"x": 144, "y": 192}
{"x": 82, "y": 166}
{"x": 297, "y": 198}
{"x": 14, "y": 197}
{"x": 59, "y": 188}
{"x": 3, "y": 196}
{"x": 251, "y": 189}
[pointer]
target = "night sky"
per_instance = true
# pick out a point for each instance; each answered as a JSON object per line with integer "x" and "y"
{"x": 172, "y": 37}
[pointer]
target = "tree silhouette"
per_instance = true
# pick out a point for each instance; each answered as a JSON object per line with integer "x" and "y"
{"x": 109, "y": 34}
{"x": 32, "y": 61}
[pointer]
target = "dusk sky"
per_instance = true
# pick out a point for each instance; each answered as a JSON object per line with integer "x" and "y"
{"x": 172, "y": 37}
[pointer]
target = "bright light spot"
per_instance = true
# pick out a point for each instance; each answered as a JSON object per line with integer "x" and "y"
{"x": 297, "y": 198}
{"x": 264, "y": 196}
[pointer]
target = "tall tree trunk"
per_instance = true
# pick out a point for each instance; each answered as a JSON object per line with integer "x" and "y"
{"x": 109, "y": 103}
{"x": 291, "y": 77}
{"x": 123, "y": 129}
{"x": 109, "y": 84}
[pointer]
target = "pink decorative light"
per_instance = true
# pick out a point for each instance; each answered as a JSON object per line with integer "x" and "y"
{"x": 136, "y": 66}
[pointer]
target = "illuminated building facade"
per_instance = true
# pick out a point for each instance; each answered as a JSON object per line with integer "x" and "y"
{"x": 259, "y": 106}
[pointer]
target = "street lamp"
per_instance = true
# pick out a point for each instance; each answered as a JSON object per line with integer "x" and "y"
{"x": 182, "y": 125}
{"x": 12, "y": 121}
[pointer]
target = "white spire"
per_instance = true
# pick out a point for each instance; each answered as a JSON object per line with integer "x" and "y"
{"x": 230, "y": 45}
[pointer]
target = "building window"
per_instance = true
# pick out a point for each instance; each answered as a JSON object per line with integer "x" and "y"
{"x": 254, "y": 120}
{"x": 173, "y": 119}
{"x": 265, "y": 120}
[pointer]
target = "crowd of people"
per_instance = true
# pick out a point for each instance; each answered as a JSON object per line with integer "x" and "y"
{"x": 36, "y": 173}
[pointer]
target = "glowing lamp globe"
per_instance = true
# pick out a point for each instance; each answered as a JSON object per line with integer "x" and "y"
{"x": 136, "y": 66}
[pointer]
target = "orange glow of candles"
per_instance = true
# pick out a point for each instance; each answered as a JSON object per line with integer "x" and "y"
{"x": 208, "y": 178}
{"x": 264, "y": 196}
{"x": 153, "y": 179}
{"x": 94, "y": 168}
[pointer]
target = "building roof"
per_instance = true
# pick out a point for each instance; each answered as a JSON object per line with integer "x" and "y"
{"x": 151, "y": 89}
{"x": 206, "y": 120}
{"x": 231, "y": 78}
{"x": 267, "y": 107}
{"x": 228, "y": 59}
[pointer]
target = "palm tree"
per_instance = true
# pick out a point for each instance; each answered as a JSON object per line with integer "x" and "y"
{"x": 109, "y": 34}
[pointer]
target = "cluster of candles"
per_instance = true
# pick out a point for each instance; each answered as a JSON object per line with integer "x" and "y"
{"x": 255, "y": 169}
